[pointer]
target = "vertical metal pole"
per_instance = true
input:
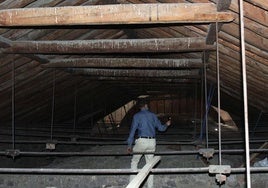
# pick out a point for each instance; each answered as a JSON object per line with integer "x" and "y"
{"x": 195, "y": 109}
{"x": 201, "y": 107}
{"x": 13, "y": 105}
{"x": 219, "y": 91}
{"x": 206, "y": 100}
{"x": 244, "y": 73}
{"x": 53, "y": 106}
{"x": 75, "y": 106}
{"x": 91, "y": 118}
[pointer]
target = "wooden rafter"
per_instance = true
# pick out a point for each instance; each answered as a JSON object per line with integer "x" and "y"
{"x": 143, "y": 80}
{"x": 115, "y": 14}
{"x": 124, "y": 63}
{"x": 111, "y": 46}
{"x": 4, "y": 43}
{"x": 135, "y": 73}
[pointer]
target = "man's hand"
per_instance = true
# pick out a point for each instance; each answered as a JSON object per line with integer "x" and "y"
{"x": 129, "y": 150}
{"x": 168, "y": 122}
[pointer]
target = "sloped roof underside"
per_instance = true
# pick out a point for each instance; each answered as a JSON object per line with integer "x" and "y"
{"x": 102, "y": 76}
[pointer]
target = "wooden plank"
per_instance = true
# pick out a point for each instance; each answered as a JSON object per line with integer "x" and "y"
{"x": 257, "y": 91}
{"x": 252, "y": 12}
{"x": 234, "y": 90}
{"x": 135, "y": 72}
{"x": 139, "y": 80}
{"x": 110, "y": 46}
{"x": 253, "y": 61}
{"x": 259, "y": 3}
{"x": 115, "y": 14}
{"x": 137, "y": 181}
{"x": 124, "y": 63}
{"x": 15, "y": 4}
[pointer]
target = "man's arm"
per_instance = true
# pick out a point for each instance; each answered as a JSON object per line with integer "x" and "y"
{"x": 159, "y": 125}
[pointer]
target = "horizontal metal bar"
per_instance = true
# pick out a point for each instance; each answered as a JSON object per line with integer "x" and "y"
{"x": 114, "y": 138}
{"x": 119, "y": 171}
{"x": 159, "y": 142}
{"x": 195, "y": 152}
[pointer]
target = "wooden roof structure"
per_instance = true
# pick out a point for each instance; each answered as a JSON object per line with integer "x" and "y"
{"x": 98, "y": 53}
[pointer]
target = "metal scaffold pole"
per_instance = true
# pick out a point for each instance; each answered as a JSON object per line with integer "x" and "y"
{"x": 13, "y": 105}
{"x": 102, "y": 154}
{"x": 52, "y": 106}
{"x": 244, "y": 74}
{"x": 119, "y": 171}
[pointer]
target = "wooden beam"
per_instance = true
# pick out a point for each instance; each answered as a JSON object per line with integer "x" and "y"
{"x": 4, "y": 43}
{"x": 124, "y": 63}
{"x": 135, "y": 73}
{"x": 111, "y": 46}
{"x": 222, "y": 5}
{"x": 114, "y": 14}
{"x": 143, "y": 80}
{"x": 137, "y": 181}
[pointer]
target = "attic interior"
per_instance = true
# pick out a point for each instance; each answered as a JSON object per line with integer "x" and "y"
{"x": 72, "y": 71}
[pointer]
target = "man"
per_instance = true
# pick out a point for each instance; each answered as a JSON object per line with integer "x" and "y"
{"x": 145, "y": 122}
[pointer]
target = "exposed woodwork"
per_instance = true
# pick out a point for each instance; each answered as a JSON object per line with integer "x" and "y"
{"x": 15, "y": 4}
{"x": 250, "y": 36}
{"x": 142, "y": 80}
{"x": 259, "y": 3}
{"x": 60, "y": 102}
{"x": 231, "y": 81}
{"x": 124, "y": 63}
{"x": 143, "y": 173}
{"x": 135, "y": 72}
{"x": 252, "y": 12}
{"x": 234, "y": 71}
{"x": 234, "y": 91}
{"x": 254, "y": 27}
{"x": 252, "y": 51}
{"x": 5, "y": 43}
{"x": 115, "y": 14}
{"x": 253, "y": 62}
{"x": 222, "y": 5}
{"x": 110, "y": 46}
{"x": 33, "y": 85}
